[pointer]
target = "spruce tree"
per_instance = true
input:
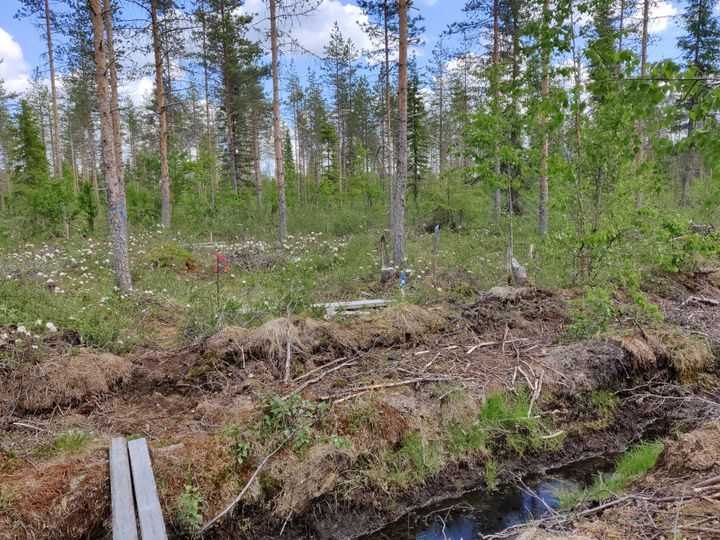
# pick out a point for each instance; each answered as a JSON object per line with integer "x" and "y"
{"x": 31, "y": 163}
{"x": 700, "y": 45}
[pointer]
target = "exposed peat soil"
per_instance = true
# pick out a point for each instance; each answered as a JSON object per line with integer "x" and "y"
{"x": 408, "y": 370}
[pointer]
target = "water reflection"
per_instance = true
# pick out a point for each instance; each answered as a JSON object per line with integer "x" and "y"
{"x": 481, "y": 513}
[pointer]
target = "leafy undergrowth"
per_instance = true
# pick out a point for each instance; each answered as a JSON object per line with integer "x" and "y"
{"x": 503, "y": 426}
{"x": 633, "y": 464}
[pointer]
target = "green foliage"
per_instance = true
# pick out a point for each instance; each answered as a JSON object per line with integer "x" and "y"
{"x": 71, "y": 442}
{"x": 172, "y": 255}
{"x": 604, "y": 401}
{"x": 242, "y": 450}
{"x": 464, "y": 441}
{"x": 88, "y": 207}
{"x": 595, "y": 311}
{"x": 189, "y": 508}
{"x": 414, "y": 461}
{"x": 359, "y": 416}
{"x": 287, "y": 416}
{"x": 491, "y": 469}
{"x": 29, "y": 154}
{"x": 505, "y": 422}
{"x": 106, "y": 322}
{"x": 636, "y": 462}
{"x": 340, "y": 442}
{"x": 592, "y": 313}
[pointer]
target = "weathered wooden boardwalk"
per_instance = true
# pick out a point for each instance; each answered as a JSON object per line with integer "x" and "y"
{"x": 133, "y": 492}
{"x": 352, "y": 307}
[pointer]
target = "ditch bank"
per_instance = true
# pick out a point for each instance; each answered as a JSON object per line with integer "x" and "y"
{"x": 379, "y": 416}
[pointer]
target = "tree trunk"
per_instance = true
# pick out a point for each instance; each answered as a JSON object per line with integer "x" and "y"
{"x": 57, "y": 156}
{"x": 643, "y": 71}
{"x": 545, "y": 143}
{"x": 402, "y": 165}
{"x": 388, "y": 125}
{"x": 73, "y": 163}
{"x": 160, "y": 97}
{"x": 93, "y": 162}
{"x": 496, "y": 100}
{"x": 208, "y": 124}
{"x": 277, "y": 134}
{"x": 230, "y": 134}
{"x": 256, "y": 161}
{"x": 441, "y": 126}
{"x": 112, "y": 60}
{"x": 117, "y": 215}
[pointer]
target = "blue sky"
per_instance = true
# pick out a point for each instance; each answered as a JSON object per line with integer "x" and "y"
{"x": 22, "y": 46}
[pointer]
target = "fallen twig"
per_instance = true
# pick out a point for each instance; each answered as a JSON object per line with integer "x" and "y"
{"x": 702, "y": 300}
{"x": 320, "y": 377}
{"x": 308, "y": 373}
{"x": 491, "y": 343}
{"x": 364, "y": 389}
{"x": 29, "y": 426}
{"x": 430, "y": 363}
{"x": 603, "y": 506}
{"x": 708, "y": 481}
{"x": 236, "y": 500}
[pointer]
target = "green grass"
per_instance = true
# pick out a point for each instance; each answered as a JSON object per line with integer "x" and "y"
{"x": 605, "y": 401}
{"x": 332, "y": 255}
{"x": 414, "y": 461}
{"x": 504, "y": 421}
{"x": 500, "y": 427}
{"x": 491, "y": 469}
{"x": 633, "y": 464}
{"x": 71, "y": 442}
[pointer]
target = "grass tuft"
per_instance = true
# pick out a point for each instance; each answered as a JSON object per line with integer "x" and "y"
{"x": 632, "y": 464}
{"x": 71, "y": 442}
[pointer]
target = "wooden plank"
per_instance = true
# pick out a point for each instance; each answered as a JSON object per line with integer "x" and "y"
{"x": 355, "y": 304}
{"x": 124, "y": 525}
{"x": 152, "y": 525}
{"x": 334, "y": 307}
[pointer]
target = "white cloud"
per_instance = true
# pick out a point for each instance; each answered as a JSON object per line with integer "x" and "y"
{"x": 312, "y": 31}
{"x": 430, "y": 2}
{"x": 138, "y": 90}
{"x": 660, "y": 16}
{"x": 13, "y": 69}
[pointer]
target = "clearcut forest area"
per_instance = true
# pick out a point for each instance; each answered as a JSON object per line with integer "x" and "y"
{"x": 360, "y": 269}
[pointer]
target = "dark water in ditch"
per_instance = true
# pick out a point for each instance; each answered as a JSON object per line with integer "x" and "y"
{"x": 480, "y": 512}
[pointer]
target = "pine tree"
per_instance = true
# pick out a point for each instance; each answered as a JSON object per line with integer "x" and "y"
{"x": 162, "y": 115}
{"x": 439, "y": 74}
{"x": 400, "y": 194}
{"x": 117, "y": 211}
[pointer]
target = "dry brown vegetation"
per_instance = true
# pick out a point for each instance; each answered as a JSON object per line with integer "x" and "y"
{"x": 408, "y": 371}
